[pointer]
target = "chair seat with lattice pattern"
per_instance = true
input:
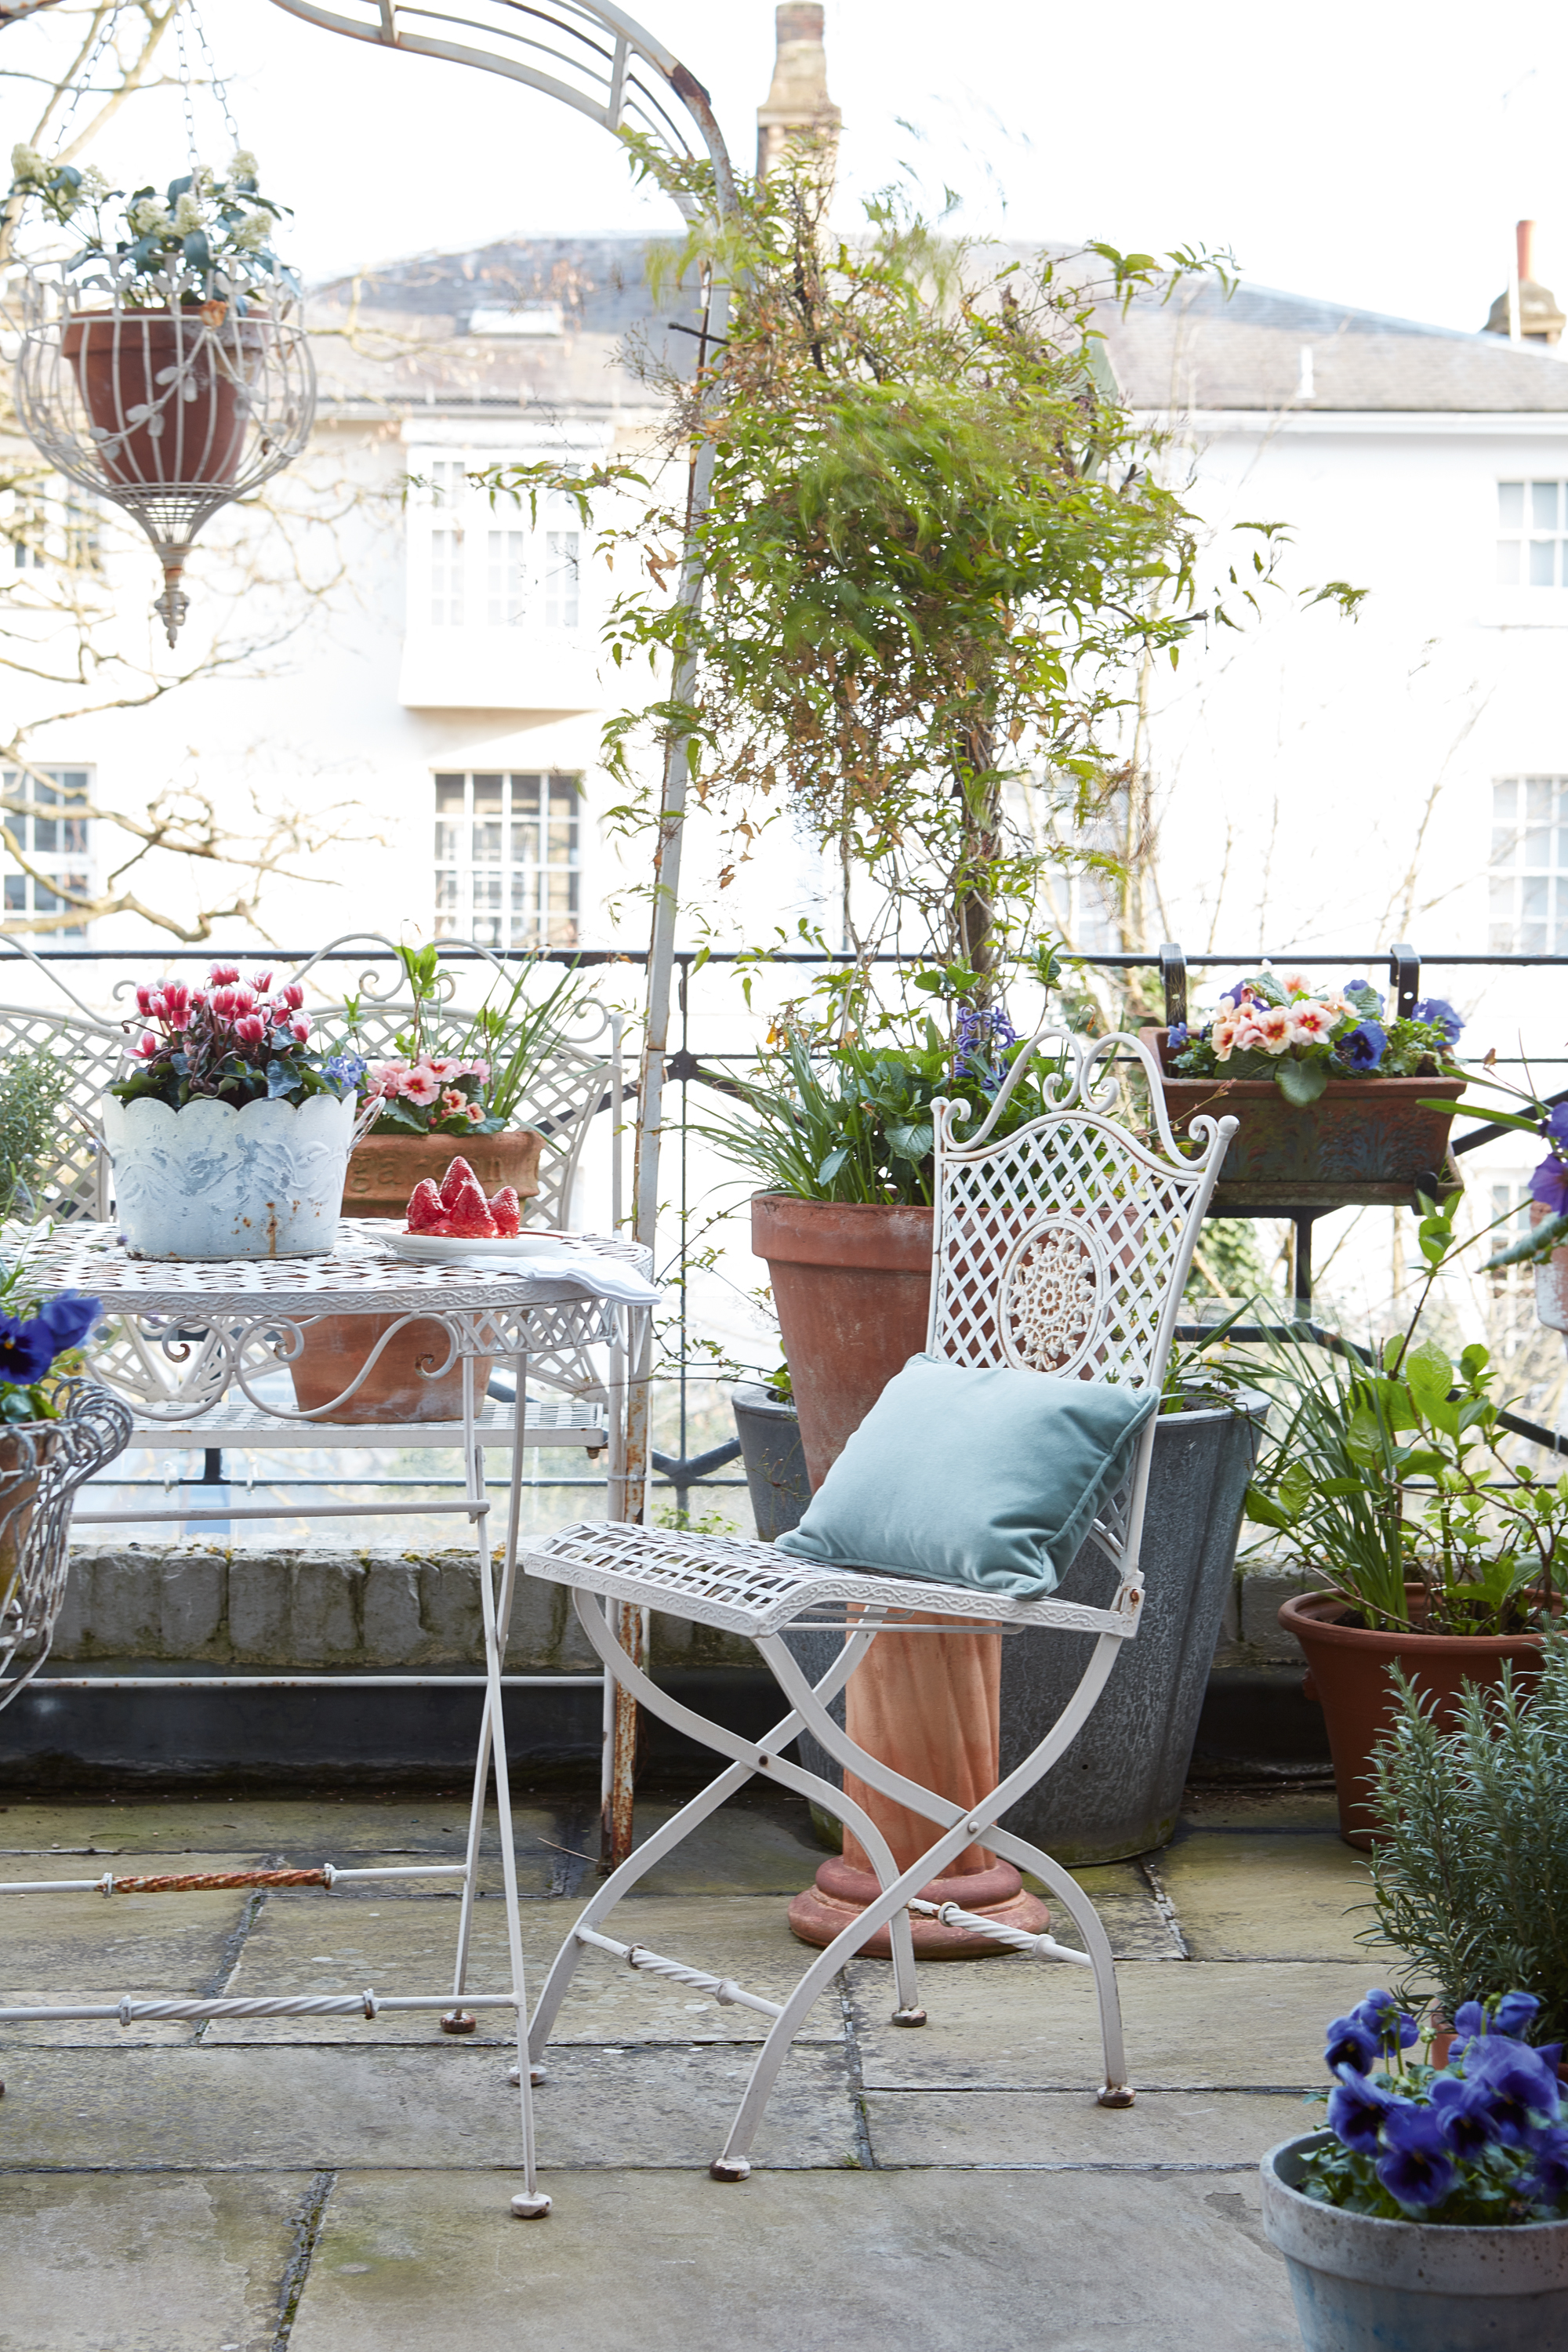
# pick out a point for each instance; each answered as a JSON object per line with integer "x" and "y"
{"x": 1059, "y": 1248}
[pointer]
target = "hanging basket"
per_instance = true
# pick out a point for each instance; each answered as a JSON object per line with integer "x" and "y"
{"x": 167, "y": 408}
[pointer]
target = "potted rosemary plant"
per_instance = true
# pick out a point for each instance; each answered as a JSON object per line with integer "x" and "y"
{"x": 1434, "y": 2210}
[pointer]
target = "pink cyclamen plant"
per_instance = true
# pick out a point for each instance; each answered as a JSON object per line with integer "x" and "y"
{"x": 229, "y": 1041}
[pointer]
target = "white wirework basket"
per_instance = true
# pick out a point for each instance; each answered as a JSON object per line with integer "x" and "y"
{"x": 169, "y": 408}
{"x": 42, "y": 1464}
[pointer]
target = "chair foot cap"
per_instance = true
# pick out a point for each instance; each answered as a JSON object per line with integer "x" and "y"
{"x": 1115, "y": 2094}
{"x": 458, "y": 2020}
{"x": 530, "y": 2208}
{"x": 728, "y": 2168}
{"x": 536, "y": 2074}
{"x": 909, "y": 2017}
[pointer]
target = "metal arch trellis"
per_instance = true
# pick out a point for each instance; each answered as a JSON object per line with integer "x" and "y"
{"x": 593, "y": 58}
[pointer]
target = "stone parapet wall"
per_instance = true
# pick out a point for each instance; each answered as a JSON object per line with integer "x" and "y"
{"x": 330, "y": 1608}
{"x": 385, "y": 1609}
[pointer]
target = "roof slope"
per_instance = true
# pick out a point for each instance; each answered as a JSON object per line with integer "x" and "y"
{"x": 1200, "y": 351}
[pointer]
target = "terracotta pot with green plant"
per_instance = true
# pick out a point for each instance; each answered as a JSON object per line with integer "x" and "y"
{"x": 1441, "y": 1556}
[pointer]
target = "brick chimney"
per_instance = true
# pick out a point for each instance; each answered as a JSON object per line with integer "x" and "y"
{"x": 797, "y": 104}
{"x": 1540, "y": 322}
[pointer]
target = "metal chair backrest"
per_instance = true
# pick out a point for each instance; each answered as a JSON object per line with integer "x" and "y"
{"x": 1063, "y": 1247}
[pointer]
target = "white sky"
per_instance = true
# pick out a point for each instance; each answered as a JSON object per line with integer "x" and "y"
{"x": 1376, "y": 153}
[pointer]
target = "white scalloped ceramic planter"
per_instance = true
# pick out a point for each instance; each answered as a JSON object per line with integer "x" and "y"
{"x": 1364, "y": 2285}
{"x": 210, "y": 1182}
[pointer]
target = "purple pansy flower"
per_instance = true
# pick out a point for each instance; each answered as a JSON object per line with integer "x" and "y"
{"x": 1353, "y": 2042}
{"x": 1547, "y": 2179}
{"x": 1382, "y": 2015}
{"x": 69, "y": 1318}
{"x": 1464, "y": 2110}
{"x": 1417, "y": 2169}
{"x": 1177, "y": 1039}
{"x": 1517, "y": 2084}
{"x": 1358, "y": 2110}
{"x": 1514, "y": 2011}
{"x": 28, "y": 1348}
{"x": 1363, "y": 1047}
{"x": 1441, "y": 1014}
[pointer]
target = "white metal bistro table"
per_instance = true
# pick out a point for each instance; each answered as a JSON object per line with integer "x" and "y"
{"x": 191, "y": 1338}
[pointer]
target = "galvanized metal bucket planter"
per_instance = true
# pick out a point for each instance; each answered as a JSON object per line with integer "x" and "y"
{"x": 213, "y": 1182}
{"x": 1364, "y": 2285}
{"x": 1118, "y": 1790}
{"x": 769, "y": 1429}
{"x": 1361, "y": 1133}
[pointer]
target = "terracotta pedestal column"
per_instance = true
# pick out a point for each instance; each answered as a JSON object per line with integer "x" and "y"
{"x": 929, "y": 1706}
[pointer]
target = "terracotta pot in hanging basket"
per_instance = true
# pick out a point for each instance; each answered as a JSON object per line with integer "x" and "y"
{"x": 168, "y": 391}
{"x": 382, "y": 1172}
{"x": 1347, "y": 1675}
{"x": 1359, "y": 1134}
{"x": 26, "y": 1447}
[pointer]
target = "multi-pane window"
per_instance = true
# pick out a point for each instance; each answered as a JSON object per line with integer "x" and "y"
{"x": 447, "y": 579}
{"x": 47, "y": 835}
{"x": 1533, "y": 534}
{"x": 58, "y": 525}
{"x": 560, "y": 579}
{"x": 507, "y": 859}
{"x": 1529, "y": 866}
{"x": 506, "y": 584}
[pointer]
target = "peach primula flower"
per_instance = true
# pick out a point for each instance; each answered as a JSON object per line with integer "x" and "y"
{"x": 1276, "y": 1029}
{"x": 1312, "y": 1025}
{"x": 421, "y": 1086}
{"x": 1222, "y": 1037}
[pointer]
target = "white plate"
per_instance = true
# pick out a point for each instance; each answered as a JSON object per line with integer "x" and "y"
{"x": 437, "y": 1249}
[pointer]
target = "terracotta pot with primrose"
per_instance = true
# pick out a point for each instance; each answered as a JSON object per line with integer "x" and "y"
{"x": 1347, "y": 1675}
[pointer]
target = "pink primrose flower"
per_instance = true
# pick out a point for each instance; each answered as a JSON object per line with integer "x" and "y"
{"x": 1275, "y": 1027}
{"x": 475, "y": 1112}
{"x": 251, "y": 1029}
{"x": 1296, "y": 983}
{"x": 481, "y": 1070}
{"x": 452, "y": 1102}
{"x": 1312, "y": 1025}
{"x": 443, "y": 1066}
{"x": 223, "y": 975}
{"x": 386, "y": 1077}
{"x": 1222, "y": 1037}
{"x": 421, "y": 1086}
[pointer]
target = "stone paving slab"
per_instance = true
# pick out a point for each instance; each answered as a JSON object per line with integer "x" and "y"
{"x": 799, "y": 2262}
{"x": 1249, "y": 1895}
{"x": 1215, "y": 2129}
{"x": 177, "y": 2263}
{"x": 302, "y": 1943}
{"x": 1022, "y": 2024}
{"x": 1259, "y": 1805}
{"x": 1129, "y": 1912}
{"x": 228, "y": 2110}
{"x": 58, "y": 1948}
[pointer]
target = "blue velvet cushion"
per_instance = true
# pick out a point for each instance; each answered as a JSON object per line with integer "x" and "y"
{"x": 990, "y": 1478}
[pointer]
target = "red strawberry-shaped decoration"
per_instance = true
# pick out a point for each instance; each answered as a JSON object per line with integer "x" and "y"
{"x": 468, "y": 1216}
{"x": 425, "y": 1214}
{"x": 508, "y": 1214}
{"x": 458, "y": 1174}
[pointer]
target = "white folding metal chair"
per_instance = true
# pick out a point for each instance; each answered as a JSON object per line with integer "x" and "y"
{"x": 1061, "y": 1248}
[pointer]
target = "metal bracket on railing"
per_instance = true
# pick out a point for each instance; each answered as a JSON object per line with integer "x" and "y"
{"x": 1404, "y": 978}
{"x": 1173, "y": 977}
